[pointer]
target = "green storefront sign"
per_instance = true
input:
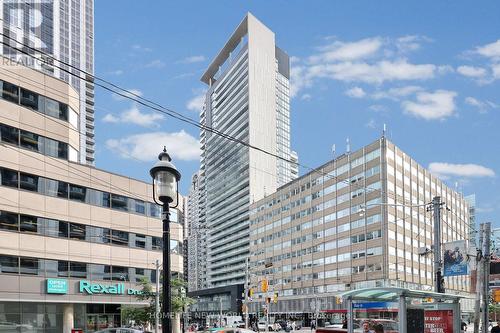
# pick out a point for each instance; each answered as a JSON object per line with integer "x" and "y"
{"x": 114, "y": 289}
{"x": 60, "y": 286}
{"x": 57, "y": 286}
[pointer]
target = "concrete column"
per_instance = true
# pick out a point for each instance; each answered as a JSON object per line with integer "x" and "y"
{"x": 68, "y": 318}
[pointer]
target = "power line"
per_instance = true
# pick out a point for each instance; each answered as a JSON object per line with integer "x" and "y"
{"x": 149, "y": 103}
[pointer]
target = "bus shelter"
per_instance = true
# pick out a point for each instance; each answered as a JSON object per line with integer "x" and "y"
{"x": 417, "y": 309}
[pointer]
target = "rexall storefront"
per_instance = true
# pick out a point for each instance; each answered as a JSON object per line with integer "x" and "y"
{"x": 31, "y": 304}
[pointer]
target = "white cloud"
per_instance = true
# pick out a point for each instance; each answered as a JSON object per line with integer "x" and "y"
{"x": 116, "y": 72}
{"x": 134, "y": 116}
{"x": 139, "y": 47}
{"x": 130, "y": 93}
{"x": 145, "y": 147}
{"x": 496, "y": 71}
{"x": 431, "y": 106}
{"x": 471, "y": 71}
{"x": 380, "y": 72}
{"x": 347, "y": 51}
{"x": 460, "y": 170}
{"x": 410, "y": 43}
{"x": 192, "y": 59}
{"x": 155, "y": 64}
{"x": 355, "y": 92}
{"x": 397, "y": 93}
{"x": 196, "y": 103}
{"x": 371, "y": 123}
{"x": 491, "y": 50}
{"x": 306, "y": 97}
{"x": 481, "y": 106}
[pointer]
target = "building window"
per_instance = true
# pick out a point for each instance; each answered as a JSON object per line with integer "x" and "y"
{"x": 55, "y": 109}
{"x": 9, "y": 264}
{"x": 56, "y": 188}
{"x": 96, "y": 271}
{"x": 77, "y": 192}
{"x": 32, "y": 141}
{"x": 77, "y": 231}
{"x": 119, "y": 237}
{"x": 62, "y": 268}
{"x": 119, "y": 202}
{"x": 30, "y": 266}
{"x": 9, "y": 91}
{"x": 98, "y": 235}
{"x": 9, "y": 178}
{"x": 31, "y": 183}
{"x": 50, "y": 267}
{"x": 9, "y": 134}
{"x": 140, "y": 241}
{"x": 157, "y": 243}
{"x": 78, "y": 270}
{"x": 120, "y": 273}
{"x": 29, "y": 224}
{"x": 32, "y": 100}
{"x": 55, "y": 228}
{"x": 9, "y": 221}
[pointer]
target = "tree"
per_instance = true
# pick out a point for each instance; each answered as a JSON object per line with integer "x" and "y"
{"x": 146, "y": 315}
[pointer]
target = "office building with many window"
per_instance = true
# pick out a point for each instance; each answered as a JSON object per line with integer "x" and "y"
{"x": 355, "y": 222}
{"x": 56, "y": 37}
{"x": 74, "y": 240}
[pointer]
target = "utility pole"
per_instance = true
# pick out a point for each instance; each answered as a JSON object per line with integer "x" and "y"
{"x": 246, "y": 291}
{"x": 479, "y": 279}
{"x": 157, "y": 297}
{"x": 436, "y": 206}
{"x": 486, "y": 275}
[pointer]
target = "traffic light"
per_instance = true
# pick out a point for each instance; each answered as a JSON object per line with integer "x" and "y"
{"x": 440, "y": 281}
{"x": 250, "y": 293}
{"x": 338, "y": 300}
{"x": 496, "y": 295}
{"x": 268, "y": 300}
{"x": 264, "y": 287}
{"x": 275, "y": 298}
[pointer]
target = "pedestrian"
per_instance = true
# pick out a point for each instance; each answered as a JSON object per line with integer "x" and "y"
{"x": 293, "y": 325}
{"x": 463, "y": 326}
{"x": 495, "y": 329}
{"x": 366, "y": 327}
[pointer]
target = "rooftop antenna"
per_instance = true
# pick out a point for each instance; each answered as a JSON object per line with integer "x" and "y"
{"x": 333, "y": 150}
{"x": 384, "y": 130}
{"x": 348, "y": 148}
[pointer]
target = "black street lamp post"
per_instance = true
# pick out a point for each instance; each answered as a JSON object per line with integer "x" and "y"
{"x": 166, "y": 193}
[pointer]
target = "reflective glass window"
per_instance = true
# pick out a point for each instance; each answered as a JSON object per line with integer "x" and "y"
{"x": 32, "y": 100}
{"x": 9, "y": 264}
{"x": 31, "y": 182}
{"x": 98, "y": 198}
{"x": 9, "y": 134}
{"x": 78, "y": 270}
{"x": 97, "y": 234}
{"x": 119, "y": 237}
{"x": 55, "y": 228}
{"x": 9, "y": 178}
{"x": 55, "y": 188}
{"x": 140, "y": 241}
{"x": 77, "y": 192}
{"x": 157, "y": 243}
{"x": 29, "y": 224}
{"x": 9, "y": 91}
{"x": 56, "y": 109}
{"x": 9, "y": 221}
{"x": 120, "y": 273}
{"x": 119, "y": 202}
{"x": 62, "y": 268}
{"x": 30, "y": 266}
{"x": 50, "y": 267}
{"x": 32, "y": 141}
{"x": 77, "y": 231}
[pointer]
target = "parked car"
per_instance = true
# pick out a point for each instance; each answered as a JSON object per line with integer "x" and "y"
{"x": 238, "y": 324}
{"x": 271, "y": 327}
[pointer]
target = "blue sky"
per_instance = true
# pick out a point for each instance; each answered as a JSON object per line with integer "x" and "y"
{"x": 429, "y": 70}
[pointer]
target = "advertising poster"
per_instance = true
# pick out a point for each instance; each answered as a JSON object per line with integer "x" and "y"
{"x": 455, "y": 258}
{"x": 438, "y": 321}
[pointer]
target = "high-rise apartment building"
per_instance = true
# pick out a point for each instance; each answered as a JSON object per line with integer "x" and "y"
{"x": 357, "y": 222}
{"x": 75, "y": 240}
{"x": 196, "y": 256}
{"x": 247, "y": 98}
{"x": 62, "y": 30}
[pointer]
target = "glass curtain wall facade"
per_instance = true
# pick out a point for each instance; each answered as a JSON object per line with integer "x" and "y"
{"x": 62, "y": 30}
{"x": 248, "y": 99}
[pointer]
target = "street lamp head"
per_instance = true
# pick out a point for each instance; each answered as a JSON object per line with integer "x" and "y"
{"x": 165, "y": 180}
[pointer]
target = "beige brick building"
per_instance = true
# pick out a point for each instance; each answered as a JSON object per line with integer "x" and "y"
{"x": 356, "y": 222}
{"x": 64, "y": 225}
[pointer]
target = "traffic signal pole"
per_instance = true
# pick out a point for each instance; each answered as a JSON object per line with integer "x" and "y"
{"x": 479, "y": 279}
{"x": 486, "y": 275}
{"x": 438, "y": 274}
